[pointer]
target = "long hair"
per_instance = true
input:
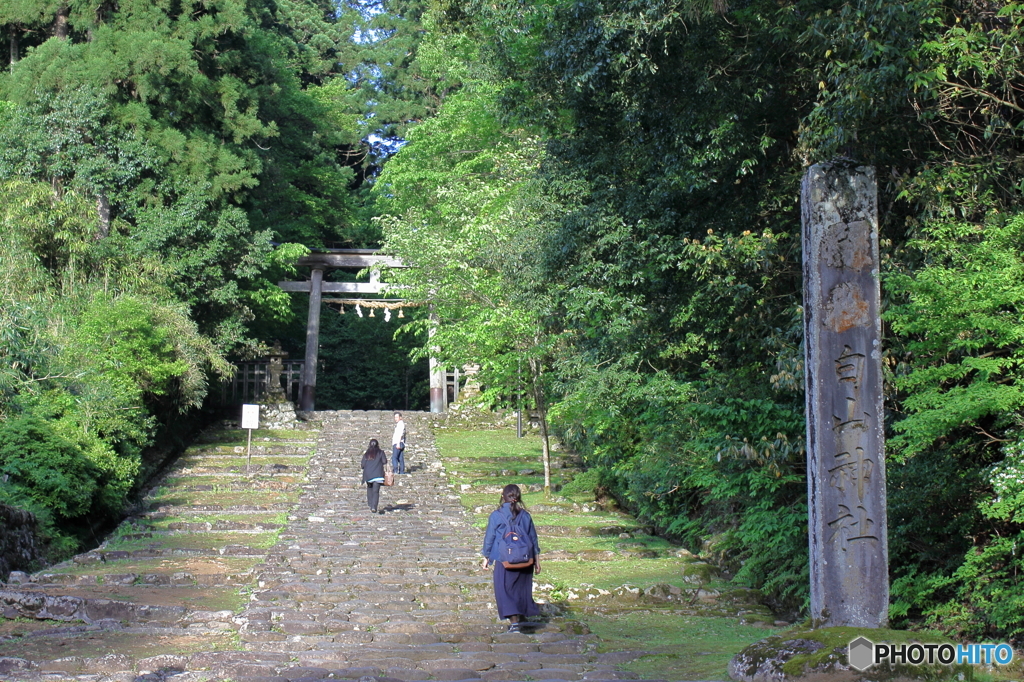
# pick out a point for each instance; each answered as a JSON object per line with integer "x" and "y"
{"x": 373, "y": 451}
{"x": 513, "y": 496}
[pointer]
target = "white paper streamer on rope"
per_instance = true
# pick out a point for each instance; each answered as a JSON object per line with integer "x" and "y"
{"x": 388, "y": 307}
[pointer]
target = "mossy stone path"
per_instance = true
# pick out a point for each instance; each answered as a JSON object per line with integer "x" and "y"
{"x": 281, "y": 573}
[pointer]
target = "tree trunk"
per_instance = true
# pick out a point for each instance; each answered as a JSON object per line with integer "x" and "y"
{"x": 60, "y": 24}
{"x": 542, "y": 413}
{"x": 15, "y": 47}
{"x": 103, "y": 211}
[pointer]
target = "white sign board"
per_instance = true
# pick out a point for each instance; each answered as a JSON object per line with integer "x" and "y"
{"x": 250, "y": 416}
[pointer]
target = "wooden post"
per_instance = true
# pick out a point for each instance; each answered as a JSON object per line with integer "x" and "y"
{"x": 250, "y": 421}
{"x": 437, "y": 390}
{"x": 307, "y": 399}
{"x": 437, "y": 379}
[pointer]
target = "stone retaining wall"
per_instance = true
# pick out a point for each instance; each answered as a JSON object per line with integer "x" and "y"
{"x": 19, "y": 545}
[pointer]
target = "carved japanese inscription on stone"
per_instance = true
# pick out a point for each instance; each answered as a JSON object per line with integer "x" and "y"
{"x": 848, "y": 245}
{"x": 850, "y": 526}
{"x": 845, "y": 457}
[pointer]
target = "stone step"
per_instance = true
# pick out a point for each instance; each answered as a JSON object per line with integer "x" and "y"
{"x": 230, "y": 484}
{"x": 99, "y": 556}
{"x": 200, "y": 503}
{"x": 232, "y": 468}
{"x": 333, "y": 591}
{"x": 258, "y": 449}
{"x": 80, "y": 604}
{"x": 157, "y": 534}
{"x": 175, "y": 579}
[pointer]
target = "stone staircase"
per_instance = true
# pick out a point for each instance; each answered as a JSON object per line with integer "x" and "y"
{"x": 276, "y": 570}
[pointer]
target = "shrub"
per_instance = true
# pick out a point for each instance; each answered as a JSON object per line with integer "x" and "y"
{"x": 39, "y": 464}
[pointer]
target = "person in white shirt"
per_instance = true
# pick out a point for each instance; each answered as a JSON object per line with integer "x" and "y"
{"x": 398, "y": 445}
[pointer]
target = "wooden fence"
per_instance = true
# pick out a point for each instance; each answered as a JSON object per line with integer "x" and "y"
{"x": 250, "y": 382}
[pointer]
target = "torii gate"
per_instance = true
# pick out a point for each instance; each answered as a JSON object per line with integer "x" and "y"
{"x": 357, "y": 259}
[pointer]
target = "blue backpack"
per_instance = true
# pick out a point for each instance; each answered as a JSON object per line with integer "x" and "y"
{"x": 515, "y": 547}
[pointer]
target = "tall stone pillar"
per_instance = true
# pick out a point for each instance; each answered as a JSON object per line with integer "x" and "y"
{"x": 845, "y": 441}
{"x": 307, "y": 399}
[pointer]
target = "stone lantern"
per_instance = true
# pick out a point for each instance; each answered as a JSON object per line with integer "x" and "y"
{"x": 275, "y": 392}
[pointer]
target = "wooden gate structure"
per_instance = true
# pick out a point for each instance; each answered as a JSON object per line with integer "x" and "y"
{"x": 345, "y": 259}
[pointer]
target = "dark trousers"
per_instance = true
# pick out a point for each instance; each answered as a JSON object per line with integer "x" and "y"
{"x": 397, "y": 459}
{"x": 373, "y": 495}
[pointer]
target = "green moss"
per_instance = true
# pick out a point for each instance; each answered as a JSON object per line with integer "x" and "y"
{"x": 214, "y": 540}
{"x": 674, "y": 646}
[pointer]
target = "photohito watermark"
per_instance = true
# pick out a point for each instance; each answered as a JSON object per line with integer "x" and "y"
{"x": 862, "y": 653}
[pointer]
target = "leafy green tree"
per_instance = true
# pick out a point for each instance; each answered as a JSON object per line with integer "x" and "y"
{"x": 958, "y": 372}
{"x": 960, "y": 317}
{"x": 460, "y": 205}
{"x": 171, "y": 117}
{"x": 160, "y": 165}
{"x": 96, "y": 359}
{"x": 50, "y": 470}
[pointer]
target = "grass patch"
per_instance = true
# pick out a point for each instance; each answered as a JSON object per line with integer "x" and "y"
{"x": 482, "y": 481}
{"x": 677, "y": 647}
{"x": 240, "y": 436}
{"x": 95, "y": 644}
{"x": 223, "y": 498}
{"x": 597, "y": 520}
{"x": 234, "y": 458}
{"x": 197, "y": 541}
{"x": 19, "y": 627}
{"x": 607, "y": 542}
{"x": 591, "y": 520}
{"x": 607, "y": 575}
{"x": 214, "y": 599}
{"x": 471, "y": 500}
{"x": 255, "y": 517}
{"x": 495, "y": 444}
{"x": 164, "y": 565}
{"x": 232, "y": 480}
{"x": 236, "y": 464}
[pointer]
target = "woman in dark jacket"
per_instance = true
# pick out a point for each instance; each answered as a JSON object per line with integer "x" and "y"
{"x": 373, "y": 473}
{"x": 513, "y": 587}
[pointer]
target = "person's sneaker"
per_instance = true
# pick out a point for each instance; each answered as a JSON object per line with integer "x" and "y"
{"x": 514, "y": 627}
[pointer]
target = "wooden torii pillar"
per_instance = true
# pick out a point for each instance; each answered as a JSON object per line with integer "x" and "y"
{"x": 356, "y": 259}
